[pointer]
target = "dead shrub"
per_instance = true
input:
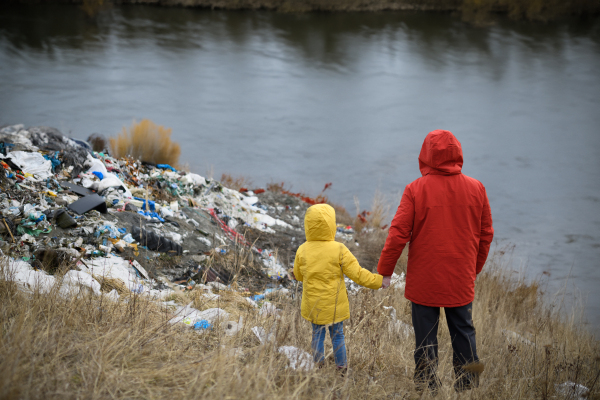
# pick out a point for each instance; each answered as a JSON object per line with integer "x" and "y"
{"x": 276, "y": 187}
{"x": 98, "y": 142}
{"x": 236, "y": 183}
{"x": 148, "y": 142}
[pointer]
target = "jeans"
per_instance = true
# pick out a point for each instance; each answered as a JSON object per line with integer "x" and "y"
{"x": 464, "y": 351}
{"x": 336, "y": 332}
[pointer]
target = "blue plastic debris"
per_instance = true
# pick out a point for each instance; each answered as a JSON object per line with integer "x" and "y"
{"x": 139, "y": 289}
{"x": 112, "y": 231}
{"x": 166, "y": 166}
{"x": 53, "y": 159}
{"x": 99, "y": 174}
{"x": 151, "y": 204}
{"x": 128, "y": 238}
{"x": 151, "y": 215}
{"x": 4, "y": 147}
{"x": 202, "y": 324}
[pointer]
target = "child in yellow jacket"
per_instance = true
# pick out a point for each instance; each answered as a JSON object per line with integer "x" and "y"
{"x": 321, "y": 264}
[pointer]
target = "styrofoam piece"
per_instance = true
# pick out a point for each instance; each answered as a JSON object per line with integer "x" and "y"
{"x": 262, "y": 335}
{"x": 299, "y": 359}
{"x": 514, "y": 337}
{"x": 73, "y": 280}
{"x": 21, "y": 272}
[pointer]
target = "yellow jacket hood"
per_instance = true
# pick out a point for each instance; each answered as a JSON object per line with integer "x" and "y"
{"x": 319, "y": 223}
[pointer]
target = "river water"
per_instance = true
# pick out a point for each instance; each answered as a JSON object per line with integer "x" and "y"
{"x": 343, "y": 98}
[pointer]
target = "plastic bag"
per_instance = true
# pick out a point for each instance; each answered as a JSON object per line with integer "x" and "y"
{"x": 32, "y": 163}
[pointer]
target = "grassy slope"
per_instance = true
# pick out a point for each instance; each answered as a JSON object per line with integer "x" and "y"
{"x": 89, "y": 347}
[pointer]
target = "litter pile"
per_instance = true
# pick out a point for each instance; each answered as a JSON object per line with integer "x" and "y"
{"x": 62, "y": 202}
{"x": 81, "y": 220}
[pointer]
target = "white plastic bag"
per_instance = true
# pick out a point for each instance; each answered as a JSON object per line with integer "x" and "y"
{"x": 299, "y": 359}
{"x": 32, "y": 163}
{"x": 95, "y": 165}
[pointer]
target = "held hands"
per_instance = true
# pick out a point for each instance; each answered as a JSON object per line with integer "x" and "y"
{"x": 386, "y": 282}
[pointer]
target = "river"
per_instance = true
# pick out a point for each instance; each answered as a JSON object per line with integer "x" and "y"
{"x": 344, "y": 98}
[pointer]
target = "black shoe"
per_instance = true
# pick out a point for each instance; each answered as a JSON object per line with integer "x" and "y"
{"x": 467, "y": 376}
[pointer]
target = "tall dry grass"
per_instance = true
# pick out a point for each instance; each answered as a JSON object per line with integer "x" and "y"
{"x": 236, "y": 183}
{"x": 89, "y": 347}
{"x": 148, "y": 142}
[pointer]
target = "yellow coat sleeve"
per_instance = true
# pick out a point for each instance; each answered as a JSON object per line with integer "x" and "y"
{"x": 297, "y": 272}
{"x": 354, "y": 271}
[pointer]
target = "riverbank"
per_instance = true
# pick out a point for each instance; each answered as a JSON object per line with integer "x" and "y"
{"x": 209, "y": 310}
{"x": 472, "y": 10}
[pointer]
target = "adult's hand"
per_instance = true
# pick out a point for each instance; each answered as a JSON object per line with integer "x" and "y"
{"x": 386, "y": 282}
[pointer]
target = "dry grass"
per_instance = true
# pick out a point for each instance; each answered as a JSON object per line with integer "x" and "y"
{"x": 148, "y": 142}
{"x": 90, "y": 347}
{"x": 236, "y": 183}
{"x": 98, "y": 142}
{"x": 277, "y": 187}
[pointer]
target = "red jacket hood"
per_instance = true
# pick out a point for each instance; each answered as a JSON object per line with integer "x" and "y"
{"x": 441, "y": 154}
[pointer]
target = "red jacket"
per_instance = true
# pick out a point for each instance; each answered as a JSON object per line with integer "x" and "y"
{"x": 447, "y": 219}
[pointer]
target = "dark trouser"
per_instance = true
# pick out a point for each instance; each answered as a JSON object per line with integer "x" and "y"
{"x": 462, "y": 334}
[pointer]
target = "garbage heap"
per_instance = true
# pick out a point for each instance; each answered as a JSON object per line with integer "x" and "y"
{"x": 77, "y": 219}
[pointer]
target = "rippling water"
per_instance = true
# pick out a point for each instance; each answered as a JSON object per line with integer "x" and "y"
{"x": 343, "y": 98}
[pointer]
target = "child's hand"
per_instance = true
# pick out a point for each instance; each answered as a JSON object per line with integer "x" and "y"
{"x": 386, "y": 282}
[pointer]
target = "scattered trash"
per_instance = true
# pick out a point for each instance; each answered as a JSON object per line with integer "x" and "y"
{"x": 63, "y": 219}
{"x": 73, "y": 280}
{"x": 397, "y": 327}
{"x": 514, "y": 337}
{"x": 127, "y": 228}
{"x": 139, "y": 269}
{"x": 113, "y": 295}
{"x": 262, "y": 335}
{"x": 88, "y": 203}
{"x": 153, "y": 241}
{"x": 232, "y": 328}
{"x": 299, "y": 359}
{"x": 32, "y": 163}
{"x": 29, "y": 279}
{"x": 202, "y": 324}
{"x": 217, "y": 285}
{"x": 268, "y": 309}
{"x": 189, "y": 315}
{"x": 572, "y": 390}
{"x": 398, "y": 281}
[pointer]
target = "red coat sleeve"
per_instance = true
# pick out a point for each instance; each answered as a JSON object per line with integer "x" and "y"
{"x": 398, "y": 235}
{"x": 487, "y": 233}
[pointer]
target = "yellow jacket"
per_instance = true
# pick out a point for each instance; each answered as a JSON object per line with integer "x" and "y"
{"x": 319, "y": 264}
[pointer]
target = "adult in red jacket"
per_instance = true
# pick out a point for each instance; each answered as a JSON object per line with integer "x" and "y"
{"x": 446, "y": 219}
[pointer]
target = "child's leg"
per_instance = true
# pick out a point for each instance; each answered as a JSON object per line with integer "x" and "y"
{"x": 318, "y": 337}
{"x": 336, "y": 331}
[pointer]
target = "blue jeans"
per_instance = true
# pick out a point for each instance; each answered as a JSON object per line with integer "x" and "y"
{"x": 336, "y": 332}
